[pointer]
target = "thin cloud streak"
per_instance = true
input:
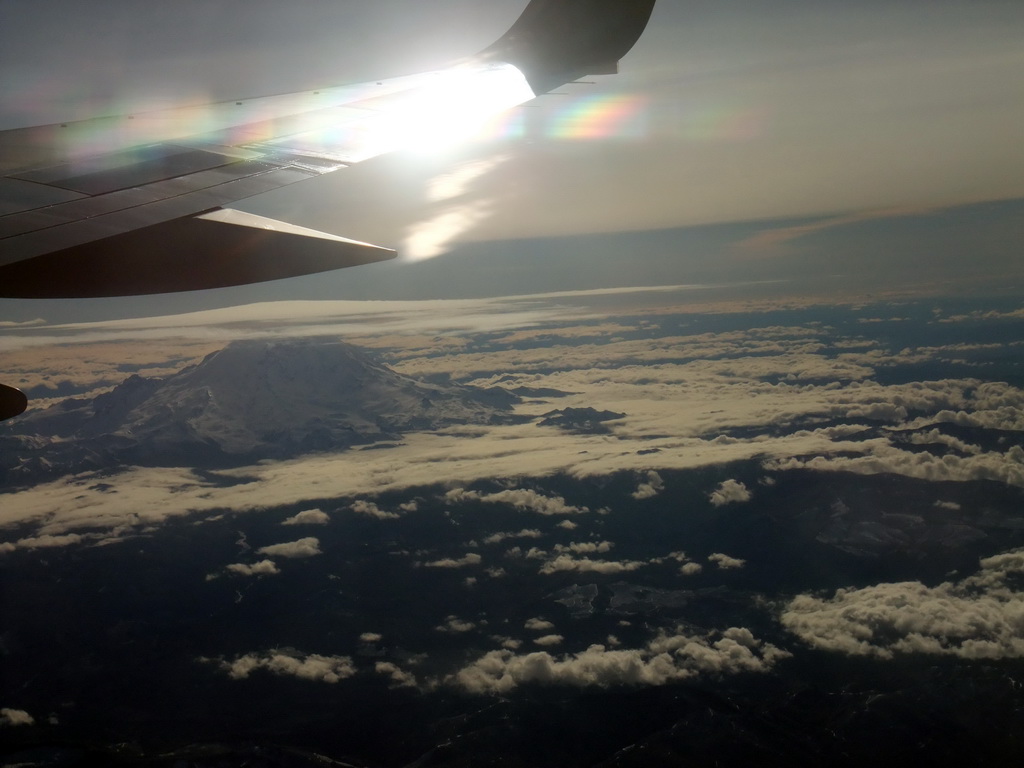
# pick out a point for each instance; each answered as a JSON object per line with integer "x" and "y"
{"x": 313, "y": 318}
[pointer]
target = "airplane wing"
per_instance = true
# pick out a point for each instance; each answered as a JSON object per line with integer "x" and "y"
{"x": 136, "y": 204}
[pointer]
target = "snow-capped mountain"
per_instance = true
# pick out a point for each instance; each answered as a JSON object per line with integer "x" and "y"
{"x": 251, "y": 400}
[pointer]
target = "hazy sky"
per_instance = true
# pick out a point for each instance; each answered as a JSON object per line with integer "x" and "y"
{"x": 723, "y": 113}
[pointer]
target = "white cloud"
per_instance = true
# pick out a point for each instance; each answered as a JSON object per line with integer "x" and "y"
{"x": 521, "y": 498}
{"x": 368, "y": 508}
{"x": 933, "y": 436}
{"x": 525, "y": 533}
{"x": 586, "y": 565}
{"x": 308, "y": 517}
{"x": 729, "y": 491}
{"x": 650, "y": 488}
{"x": 725, "y": 562}
{"x": 547, "y": 640}
{"x": 886, "y": 459}
{"x": 538, "y": 625}
{"x": 690, "y": 569}
{"x": 951, "y": 505}
{"x": 456, "y": 625}
{"x": 976, "y": 618}
{"x": 327, "y": 669}
{"x": 262, "y": 568}
{"x": 471, "y": 558}
{"x": 409, "y": 506}
{"x": 666, "y": 659}
{"x": 371, "y": 637}
{"x": 48, "y": 540}
{"x": 980, "y": 315}
{"x": 585, "y": 547}
{"x": 10, "y": 716}
{"x": 305, "y": 547}
{"x": 1007, "y": 417}
{"x": 399, "y": 677}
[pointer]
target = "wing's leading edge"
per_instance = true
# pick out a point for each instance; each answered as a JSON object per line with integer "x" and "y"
{"x": 135, "y": 204}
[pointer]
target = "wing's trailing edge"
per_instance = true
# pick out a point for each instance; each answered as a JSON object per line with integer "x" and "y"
{"x": 135, "y": 204}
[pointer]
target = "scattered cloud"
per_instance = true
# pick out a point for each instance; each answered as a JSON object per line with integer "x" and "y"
{"x": 547, "y": 640}
{"x": 308, "y": 517}
{"x": 690, "y": 569}
{"x": 586, "y": 565}
{"x": 979, "y": 315}
{"x": 935, "y": 437}
{"x": 470, "y": 558}
{"x": 370, "y": 509}
{"x": 725, "y": 562}
{"x": 326, "y": 669}
{"x": 48, "y": 540}
{"x": 371, "y": 637}
{"x": 262, "y": 568}
{"x": 884, "y": 458}
{"x": 665, "y": 659}
{"x": 525, "y": 533}
{"x": 975, "y": 618}
{"x": 306, "y": 547}
{"x": 507, "y": 642}
{"x": 651, "y": 487}
{"x": 10, "y": 716}
{"x": 538, "y": 625}
{"x": 398, "y": 677}
{"x": 728, "y": 492}
{"x": 521, "y": 498}
{"x": 585, "y": 547}
{"x": 456, "y": 625}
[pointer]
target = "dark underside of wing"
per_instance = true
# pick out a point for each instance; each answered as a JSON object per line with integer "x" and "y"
{"x": 184, "y": 254}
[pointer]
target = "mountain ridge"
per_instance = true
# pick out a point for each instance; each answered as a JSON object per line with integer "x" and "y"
{"x": 249, "y": 401}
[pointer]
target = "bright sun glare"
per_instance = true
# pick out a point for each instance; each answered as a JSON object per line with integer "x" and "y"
{"x": 455, "y": 105}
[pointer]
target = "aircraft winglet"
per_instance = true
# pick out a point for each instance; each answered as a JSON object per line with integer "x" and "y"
{"x": 556, "y": 41}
